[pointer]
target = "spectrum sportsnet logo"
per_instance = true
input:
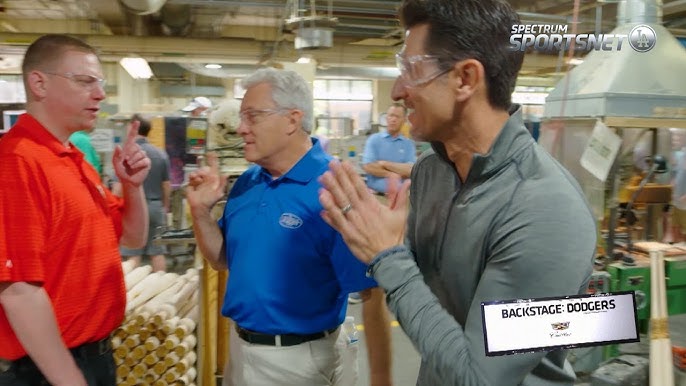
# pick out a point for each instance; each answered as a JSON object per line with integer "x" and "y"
{"x": 554, "y": 37}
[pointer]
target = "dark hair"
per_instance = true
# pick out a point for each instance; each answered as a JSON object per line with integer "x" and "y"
{"x": 144, "y": 128}
{"x": 471, "y": 29}
{"x": 45, "y": 53}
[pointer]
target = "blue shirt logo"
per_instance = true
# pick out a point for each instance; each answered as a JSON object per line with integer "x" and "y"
{"x": 289, "y": 220}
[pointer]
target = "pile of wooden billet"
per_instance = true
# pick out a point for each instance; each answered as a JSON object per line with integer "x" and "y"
{"x": 155, "y": 345}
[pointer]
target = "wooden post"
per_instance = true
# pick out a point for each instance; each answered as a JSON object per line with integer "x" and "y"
{"x": 207, "y": 331}
{"x": 222, "y": 325}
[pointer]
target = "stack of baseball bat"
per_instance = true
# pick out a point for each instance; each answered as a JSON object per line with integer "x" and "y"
{"x": 155, "y": 346}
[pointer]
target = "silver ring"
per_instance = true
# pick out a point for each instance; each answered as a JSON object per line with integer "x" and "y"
{"x": 346, "y": 208}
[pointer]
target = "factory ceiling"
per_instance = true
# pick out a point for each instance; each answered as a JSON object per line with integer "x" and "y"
{"x": 246, "y": 33}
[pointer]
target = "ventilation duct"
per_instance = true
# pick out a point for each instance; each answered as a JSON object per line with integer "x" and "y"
{"x": 639, "y": 12}
{"x": 312, "y": 38}
{"x": 176, "y": 19}
{"x": 626, "y": 83}
{"x": 143, "y": 7}
{"x": 312, "y": 31}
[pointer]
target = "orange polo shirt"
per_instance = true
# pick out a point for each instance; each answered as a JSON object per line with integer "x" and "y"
{"x": 60, "y": 228}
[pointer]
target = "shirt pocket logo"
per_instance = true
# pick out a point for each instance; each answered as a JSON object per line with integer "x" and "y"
{"x": 291, "y": 221}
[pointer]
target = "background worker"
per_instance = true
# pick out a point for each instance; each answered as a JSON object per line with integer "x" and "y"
{"x": 388, "y": 152}
{"x": 157, "y": 195}
{"x": 198, "y": 107}
{"x": 61, "y": 284}
{"x": 82, "y": 140}
{"x": 288, "y": 282}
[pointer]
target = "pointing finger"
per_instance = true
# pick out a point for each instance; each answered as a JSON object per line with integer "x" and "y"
{"x": 131, "y": 134}
{"x": 212, "y": 160}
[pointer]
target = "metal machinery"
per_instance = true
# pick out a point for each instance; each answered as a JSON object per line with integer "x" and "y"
{"x": 343, "y": 143}
{"x": 639, "y": 96}
{"x": 186, "y": 139}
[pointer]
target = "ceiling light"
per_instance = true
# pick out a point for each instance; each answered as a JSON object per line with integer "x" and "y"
{"x": 575, "y": 61}
{"x": 305, "y": 59}
{"x": 138, "y": 68}
{"x": 213, "y": 66}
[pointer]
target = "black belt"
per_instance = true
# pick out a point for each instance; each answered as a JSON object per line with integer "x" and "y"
{"x": 281, "y": 340}
{"x": 379, "y": 194}
{"x": 83, "y": 351}
{"x": 92, "y": 349}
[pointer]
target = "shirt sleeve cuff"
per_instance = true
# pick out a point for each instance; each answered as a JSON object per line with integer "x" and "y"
{"x": 382, "y": 255}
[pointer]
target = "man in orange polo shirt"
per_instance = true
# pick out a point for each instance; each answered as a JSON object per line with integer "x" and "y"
{"x": 61, "y": 284}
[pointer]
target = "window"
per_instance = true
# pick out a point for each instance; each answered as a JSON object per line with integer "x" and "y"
{"x": 9, "y": 117}
{"x": 345, "y": 98}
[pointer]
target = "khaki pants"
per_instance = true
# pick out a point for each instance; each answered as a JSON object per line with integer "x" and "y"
{"x": 315, "y": 363}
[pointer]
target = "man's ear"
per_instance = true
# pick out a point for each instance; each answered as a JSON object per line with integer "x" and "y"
{"x": 295, "y": 118}
{"x": 470, "y": 76}
{"x": 37, "y": 84}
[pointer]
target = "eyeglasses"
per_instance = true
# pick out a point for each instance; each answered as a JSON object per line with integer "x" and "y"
{"x": 89, "y": 82}
{"x": 252, "y": 116}
{"x": 413, "y": 72}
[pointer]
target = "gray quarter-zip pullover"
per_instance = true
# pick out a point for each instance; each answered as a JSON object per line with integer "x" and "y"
{"x": 518, "y": 227}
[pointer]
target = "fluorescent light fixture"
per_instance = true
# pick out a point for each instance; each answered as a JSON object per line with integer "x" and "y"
{"x": 575, "y": 61}
{"x": 213, "y": 66}
{"x": 305, "y": 59}
{"x": 138, "y": 68}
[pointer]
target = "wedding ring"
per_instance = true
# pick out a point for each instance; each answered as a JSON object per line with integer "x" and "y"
{"x": 346, "y": 208}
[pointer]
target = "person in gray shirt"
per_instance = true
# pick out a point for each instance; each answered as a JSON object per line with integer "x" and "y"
{"x": 491, "y": 215}
{"x": 157, "y": 194}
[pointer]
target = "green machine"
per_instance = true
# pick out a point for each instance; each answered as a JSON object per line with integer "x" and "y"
{"x": 636, "y": 277}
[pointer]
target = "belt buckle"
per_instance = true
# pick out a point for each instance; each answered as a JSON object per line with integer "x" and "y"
{"x": 5, "y": 365}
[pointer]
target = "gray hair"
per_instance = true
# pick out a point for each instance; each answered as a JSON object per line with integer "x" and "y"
{"x": 289, "y": 90}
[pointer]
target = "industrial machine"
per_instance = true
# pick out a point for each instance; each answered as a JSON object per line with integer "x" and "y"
{"x": 635, "y": 276}
{"x": 639, "y": 96}
{"x": 187, "y": 140}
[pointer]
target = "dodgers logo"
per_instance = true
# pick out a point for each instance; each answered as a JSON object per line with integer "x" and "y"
{"x": 291, "y": 221}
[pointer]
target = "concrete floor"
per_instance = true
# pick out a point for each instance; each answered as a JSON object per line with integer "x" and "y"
{"x": 406, "y": 359}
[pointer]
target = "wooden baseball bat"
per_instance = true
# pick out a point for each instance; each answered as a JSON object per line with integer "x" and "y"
{"x": 661, "y": 372}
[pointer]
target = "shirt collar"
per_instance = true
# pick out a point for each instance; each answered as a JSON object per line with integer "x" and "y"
{"x": 31, "y": 128}
{"x": 511, "y": 139}
{"x": 307, "y": 168}
{"x": 385, "y": 134}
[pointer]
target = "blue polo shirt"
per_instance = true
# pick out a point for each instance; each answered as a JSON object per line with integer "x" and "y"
{"x": 385, "y": 147}
{"x": 289, "y": 271}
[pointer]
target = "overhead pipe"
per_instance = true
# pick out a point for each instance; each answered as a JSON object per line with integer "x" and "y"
{"x": 639, "y": 12}
{"x": 176, "y": 19}
{"x": 137, "y": 12}
{"x": 143, "y": 7}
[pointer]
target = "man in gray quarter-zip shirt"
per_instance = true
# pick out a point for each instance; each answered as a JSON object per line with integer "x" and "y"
{"x": 492, "y": 215}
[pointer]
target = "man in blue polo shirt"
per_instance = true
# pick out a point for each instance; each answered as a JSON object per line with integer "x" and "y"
{"x": 388, "y": 152}
{"x": 289, "y": 272}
